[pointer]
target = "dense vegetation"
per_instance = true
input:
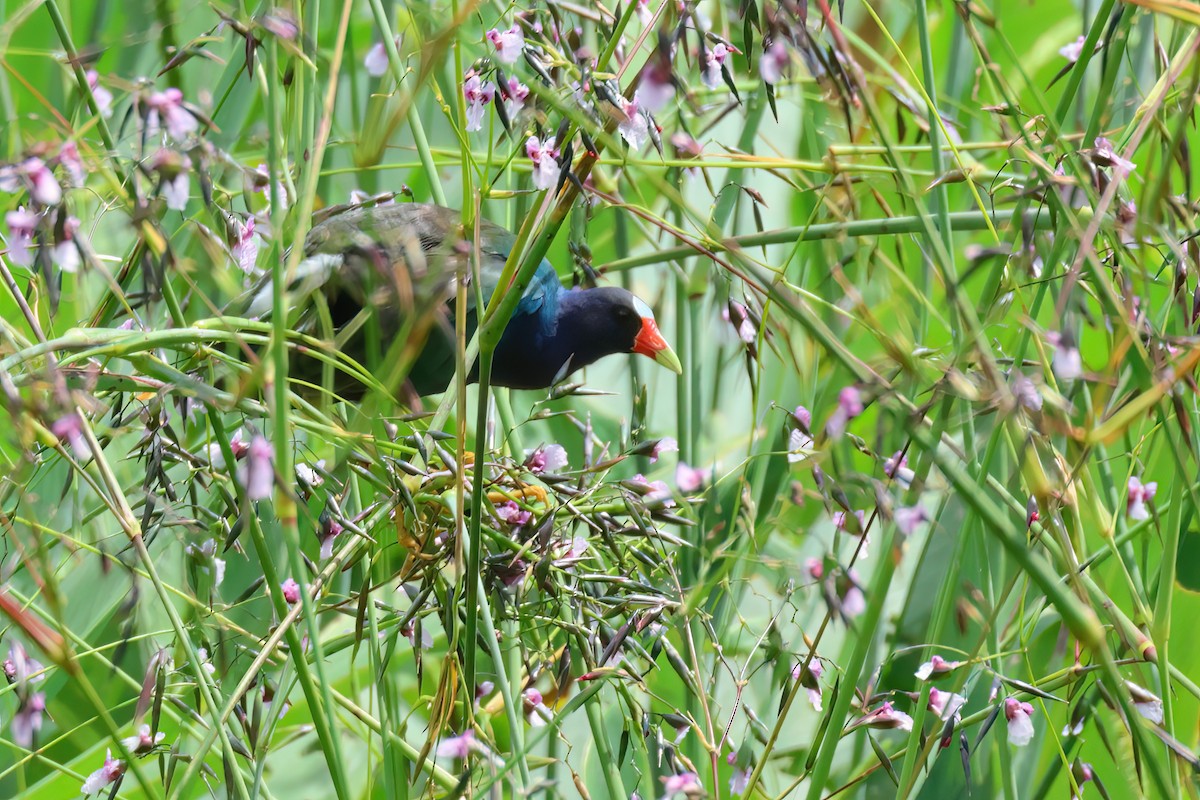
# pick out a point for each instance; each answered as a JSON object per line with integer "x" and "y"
{"x": 917, "y": 519}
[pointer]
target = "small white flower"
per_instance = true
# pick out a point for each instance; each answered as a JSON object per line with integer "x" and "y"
{"x": 886, "y": 717}
{"x": 113, "y": 769}
{"x": 936, "y": 667}
{"x": 1020, "y": 726}
{"x": 143, "y": 742}
{"x": 245, "y": 245}
{"x": 479, "y": 96}
{"x": 310, "y": 475}
{"x": 21, "y": 226}
{"x": 1071, "y": 52}
{"x": 544, "y": 155}
{"x": 377, "y": 62}
{"x": 43, "y": 186}
{"x": 945, "y": 704}
{"x": 714, "y": 59}
{"x": 1136, "y": 497}
{"x": 515, "y": 95}
{"x": 549, "y": 458}
{"x": 1146, "y": 703}
{"x": 259, "y": 474}
{"x": 102, "y": 96}
{"x": 508, "y": 44}
{"x": 775, "y": 62}
{"x": 634, "y": 129}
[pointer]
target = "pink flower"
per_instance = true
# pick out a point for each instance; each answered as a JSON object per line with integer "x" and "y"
{"x": 652, "y": 491}
{"x": 166, "y": 108}
{"x": 513, "y": 514}
{"x": 683, "y": 783}
{"x": 936, "y": 667}
{"x": 896, "y": 462}
{"x": 237, "y": 445}
{"x": 1027, "y": 394}
{"x": 548, "y": 458}
{"x": 245, "y": 245}
{"x": 886, "y": 717}
{"x": 69, "y": 428}
{"x": 1067, "y": 363}
{"x": 377, "y": 62}
{"x": 21, "y": 226}
{"x": 175, "y": 184}
{"x": 458, "y": 747}
{"x": 810, "y": 680}
{"x": 690, "y": 479}
{"x": 39, "y": 179}
{"x": 65, "y": 253}
{"x": 259, "y": 477}
{"x": 409, "y": 631}
{"x": 102, "y": 96}
{"x": 663, "y": 445}
{"x": 634, "y": 129}
{"x": 508, "y": 44}
{"x": 104, "y": 777}
{"x": 291, "y": 591}
{"x": 20, "y": 669}
{"x": 855, "y": 525}
{"x": 853, "y": 601}
{"x": 714, "y": 59}
{"x": 740, "y": 780}
{"x": 176, "y": 191}
{"x": 1105, "y": 156}
{"x": 536, "y": 711}
{"x": 68, "y": 157}
{"x": 478, "y": 96}
{"x": 803, "y": 416}
{"x": 1137, "y": 496}
{"x": 143, "y": 742}
{"x": 262, "y": 185}
{"x": 515, "y": 94}
{"x": 656, "y": 90}
{"x": 28, "y": 719}
{"x": 281, "y": 23}
{"x": 1020, "y": 726}
{"x": 576, "y": 549}
{"x": 909, "y": 518}
{"x": 739, "y": 316}
{"x": 844, "y": 524}
{"x": 945, "y": 704}
{"x": 1071, "y": 52}
{"x": 544, "y": 155}
{"x": 775, "y": 62}
{"x": 1082, "y": 772}
{"x": 330, "y": 530}
{"x": 850, "y": 405}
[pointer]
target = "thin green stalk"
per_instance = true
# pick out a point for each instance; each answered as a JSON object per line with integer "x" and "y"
{"x": 959, "y": 221}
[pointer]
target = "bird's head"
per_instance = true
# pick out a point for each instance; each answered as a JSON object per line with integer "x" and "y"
{"x": 629, "y": 324}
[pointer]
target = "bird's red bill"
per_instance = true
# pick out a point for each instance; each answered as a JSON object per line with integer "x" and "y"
{"x": 649, "y": 340}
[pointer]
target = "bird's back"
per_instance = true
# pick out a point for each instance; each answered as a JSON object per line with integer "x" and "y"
{"x": 387, "y": 274}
